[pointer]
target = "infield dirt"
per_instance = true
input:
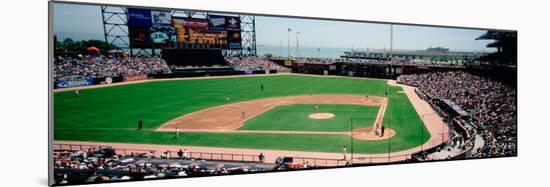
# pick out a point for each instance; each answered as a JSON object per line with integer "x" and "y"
{"x": 229, "y": 117}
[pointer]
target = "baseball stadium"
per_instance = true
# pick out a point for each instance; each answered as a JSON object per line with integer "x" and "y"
{"x": 204, "y": 101}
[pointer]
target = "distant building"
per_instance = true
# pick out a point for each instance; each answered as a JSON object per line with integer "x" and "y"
{"x": 437, "y": 49}
{"x": 435, "y": 54}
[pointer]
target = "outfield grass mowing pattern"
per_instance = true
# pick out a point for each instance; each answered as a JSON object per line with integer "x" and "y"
{"x": 110, "y": 114}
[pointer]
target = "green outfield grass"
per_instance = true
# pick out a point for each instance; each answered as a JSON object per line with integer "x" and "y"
{"x": 295, "y": 118}
{"x": 110, "y": 114}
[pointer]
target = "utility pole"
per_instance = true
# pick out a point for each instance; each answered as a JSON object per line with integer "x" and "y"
{"x": 391, "y": 51}
{"x": 318, "y": 52}
{"x": 280, "y": 48}
{"x": 288, "y": 40}
{"x": 351, "y": 147}
{"x": 391, "y": 39}
{"x": 297, "y": 44}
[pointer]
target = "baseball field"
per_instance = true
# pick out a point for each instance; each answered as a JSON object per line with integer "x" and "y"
{"x": 275, "y": 112}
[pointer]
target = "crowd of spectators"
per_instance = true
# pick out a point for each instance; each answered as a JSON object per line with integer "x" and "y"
{"x": 252, "y": 63}
{"x": 103, "y": 66}
{"x": 491, "y": 105}
{"x": 499, "y": 141}
{"x": 489, "y": 102}
{"x": 75, "y": 167}
{"x": 318, "y": 60}
{"x": 104, "y": 165}
{"x": 401, "y": 62}
{"x": 175, "y": 67}
{"x": 373, "y": 61}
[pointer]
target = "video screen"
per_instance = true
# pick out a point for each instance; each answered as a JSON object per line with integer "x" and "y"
{"x": 159, "y": 93}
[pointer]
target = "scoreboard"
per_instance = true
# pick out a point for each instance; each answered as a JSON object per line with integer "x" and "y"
{"x": 154, "y": 29}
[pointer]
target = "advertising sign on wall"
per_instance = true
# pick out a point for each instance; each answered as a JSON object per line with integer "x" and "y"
{"x": 74, "y": 83}
{"x": 134, "y": 78}
{"x": 234, "y": 40}
{"x": 216, "y": 22}
{"x": 139, "y": 17}
{"x": 161, "y": 18}
{"x": 139, "y": 37}
{"x": 190, "y": 23}
{"x": 233, "y": 23}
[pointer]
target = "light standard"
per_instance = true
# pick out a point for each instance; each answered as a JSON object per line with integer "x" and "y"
{"x": 280, "y": 48}
{"x": 297, "y": 44}
{"x": 392, "y": 101}
{"x": 318, "y": 52}
{"x": 351, "y": 147}
{"x": 422, "y": 133}
{"x": 389, "y": 142}
{"x": 288, "y": 40}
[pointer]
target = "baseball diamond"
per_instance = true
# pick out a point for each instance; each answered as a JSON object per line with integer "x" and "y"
{"x": 200, "y": 108}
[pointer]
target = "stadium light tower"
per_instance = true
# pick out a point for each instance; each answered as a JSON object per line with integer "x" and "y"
{"x": 115, "y": 27}
{"x": 248, "y": 32}
{"x": 116, "y": 30}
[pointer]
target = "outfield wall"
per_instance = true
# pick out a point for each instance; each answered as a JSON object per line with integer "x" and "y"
{"x": 88, "y": 81}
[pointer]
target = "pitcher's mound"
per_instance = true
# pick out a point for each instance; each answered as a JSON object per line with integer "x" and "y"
{"x": 367, "y": 133}
{"x": 321, "y": 115}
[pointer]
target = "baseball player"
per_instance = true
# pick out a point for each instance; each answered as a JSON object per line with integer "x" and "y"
{"x": 344, "y": 151}
{"x": 177, "y": 133}
{"x": 316, "y": 108}
{"x": 376, "y": 130}
{"x": 76, "y": 93}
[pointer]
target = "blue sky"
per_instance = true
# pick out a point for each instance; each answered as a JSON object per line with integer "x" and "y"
{"x": 84, "y": 22}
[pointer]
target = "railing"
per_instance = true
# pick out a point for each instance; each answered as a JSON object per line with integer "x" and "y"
{"x": 323, "y": 162}
{"x": 217, "y": 156}
{"x": 170, "y": 154}
{"x": 381, "y": 159}
{"x": 320, "y": 162}
{"x": 73, "y": 147}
